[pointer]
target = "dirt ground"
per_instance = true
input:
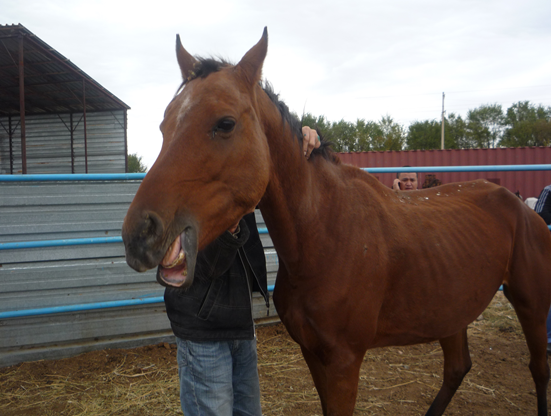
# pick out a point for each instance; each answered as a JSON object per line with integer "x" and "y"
{"x": 393, "y": 381}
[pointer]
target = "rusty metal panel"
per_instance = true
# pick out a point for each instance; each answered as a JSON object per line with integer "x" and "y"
{"x": 528, "y": 183}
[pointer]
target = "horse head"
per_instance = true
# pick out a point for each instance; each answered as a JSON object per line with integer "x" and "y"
{"x": 194, "y": 190}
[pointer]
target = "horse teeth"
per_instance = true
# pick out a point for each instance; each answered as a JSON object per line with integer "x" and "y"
{"x": 177, "y": 261}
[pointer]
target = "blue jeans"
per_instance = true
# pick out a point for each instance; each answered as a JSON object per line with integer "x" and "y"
{"x": 219, "y": 378}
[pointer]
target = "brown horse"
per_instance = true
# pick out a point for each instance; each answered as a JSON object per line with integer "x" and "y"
{"x": 361, "y": 266}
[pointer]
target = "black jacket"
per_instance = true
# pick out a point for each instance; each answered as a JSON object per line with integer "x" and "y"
{"x": 543, "y": 205}
{"x": 217, "y": 306}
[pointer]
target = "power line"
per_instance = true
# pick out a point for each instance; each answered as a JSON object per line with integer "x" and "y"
{"x": 453, "y": 92}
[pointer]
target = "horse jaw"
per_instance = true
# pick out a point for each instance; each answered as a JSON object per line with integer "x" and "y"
{"x": 178, "y": 266}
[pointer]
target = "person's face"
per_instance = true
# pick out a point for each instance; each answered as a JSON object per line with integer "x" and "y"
{"x": 409, "y": 181}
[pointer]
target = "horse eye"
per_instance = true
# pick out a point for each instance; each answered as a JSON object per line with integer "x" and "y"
{"x": 225, "y": 125}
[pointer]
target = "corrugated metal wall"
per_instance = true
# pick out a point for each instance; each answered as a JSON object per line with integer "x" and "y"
{"x": 67, "y": 275}
{"x": 49, "y": 143}
{"x": 529, "y": 184}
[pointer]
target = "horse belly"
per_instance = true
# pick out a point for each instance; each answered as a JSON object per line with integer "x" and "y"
{"x": 424, "y": 306}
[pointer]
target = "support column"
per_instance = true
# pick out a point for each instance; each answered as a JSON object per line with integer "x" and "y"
{"x": 72, "y": 131}
{"x": 10, "y": 135}
{"x": 22, "y": 106}
{"x": 126, "y": 144}
{"x": 85, "y": 137}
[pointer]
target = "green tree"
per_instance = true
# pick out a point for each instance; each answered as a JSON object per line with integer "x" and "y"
{"x": 485, "y": 126}
{"x": 343, "y": 135}
{"x": 526, "y": 125}
{"x": 455, "y": 132}
{"x": 424, "y": 135}
{"x": 135, "y": 163}
{"x": 427, "y": 134}
{"x": 393, "y": 136}
{"x": 365, "y": 134}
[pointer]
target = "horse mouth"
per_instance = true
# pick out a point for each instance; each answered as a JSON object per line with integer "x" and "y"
{"x": 177, "y": 266}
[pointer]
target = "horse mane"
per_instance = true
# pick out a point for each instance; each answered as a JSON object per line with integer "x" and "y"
{"x": 206, "y": 66}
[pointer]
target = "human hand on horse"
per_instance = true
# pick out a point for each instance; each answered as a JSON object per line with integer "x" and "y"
{"x": 311, "y": 140}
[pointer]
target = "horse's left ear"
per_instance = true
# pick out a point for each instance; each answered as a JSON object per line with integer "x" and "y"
{"x": 251, "y": 65}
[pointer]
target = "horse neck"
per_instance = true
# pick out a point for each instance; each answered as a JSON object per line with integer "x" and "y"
{"x": 287, "y": 206}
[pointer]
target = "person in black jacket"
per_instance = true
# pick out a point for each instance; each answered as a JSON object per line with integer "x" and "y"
{"x": 214, "y": 327}
{"x": 213, "y": 321}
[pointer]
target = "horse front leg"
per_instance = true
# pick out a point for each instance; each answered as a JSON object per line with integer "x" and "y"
{"x": 457, "y": 365}
{"x": 336, "y": 380}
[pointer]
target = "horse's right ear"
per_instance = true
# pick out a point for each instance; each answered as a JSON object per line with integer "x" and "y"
{"x": 185, "y": 60}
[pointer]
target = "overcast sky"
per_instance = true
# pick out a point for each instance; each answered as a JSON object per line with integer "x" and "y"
{"x": 343, "y": 59}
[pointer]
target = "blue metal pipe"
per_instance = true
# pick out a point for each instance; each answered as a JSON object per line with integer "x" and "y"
{"x": 71, "y": 177}
{"x": 464, "y": 168}
{"x": 139, "y": 176}
{"x": 112, "y": 177}
{"x": 80, "y": 307}
{"x": 86, "y": 307}
{"x": 60, "y": 242}
{"x": 73, "y": 242}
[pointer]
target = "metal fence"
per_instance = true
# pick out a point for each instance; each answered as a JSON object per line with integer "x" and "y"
{"x": 65, "y": 287}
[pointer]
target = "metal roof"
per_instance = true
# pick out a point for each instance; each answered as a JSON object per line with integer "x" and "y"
{"x": 52, "y": 83}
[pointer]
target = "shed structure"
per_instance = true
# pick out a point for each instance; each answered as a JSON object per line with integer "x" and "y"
{"x": 54, "y": 118}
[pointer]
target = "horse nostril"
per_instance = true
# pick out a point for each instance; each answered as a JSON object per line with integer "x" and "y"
{"x": 142, "y": 235}
{"x": 153, "y": 227}
{"x": 142, "y": 239}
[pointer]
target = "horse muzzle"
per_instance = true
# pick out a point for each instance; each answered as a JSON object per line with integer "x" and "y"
{"x": 145, "y": 240}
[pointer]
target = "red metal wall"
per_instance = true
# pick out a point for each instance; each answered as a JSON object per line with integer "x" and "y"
{"x": 528, "y": 183}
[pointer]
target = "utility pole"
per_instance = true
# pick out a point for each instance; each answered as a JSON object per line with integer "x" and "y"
{"x": 443, "y": 124}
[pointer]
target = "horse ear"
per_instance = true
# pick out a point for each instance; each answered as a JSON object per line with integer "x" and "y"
{"x": 251, "y": 65}
{"x": 185, "y": 60}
